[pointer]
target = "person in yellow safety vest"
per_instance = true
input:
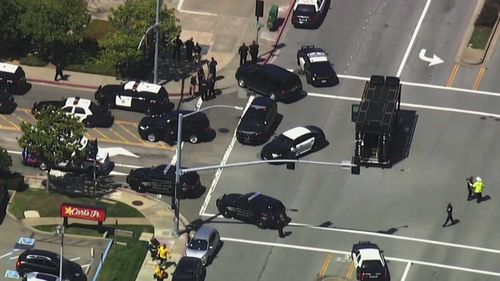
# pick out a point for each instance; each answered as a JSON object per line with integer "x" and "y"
{"x": 163, "y": 253}
{"x": 160, "y": 273}
{"x": 478, "y": 187}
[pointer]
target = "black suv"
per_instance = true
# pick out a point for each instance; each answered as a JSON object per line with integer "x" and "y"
{"x": 259, "y": 121}
{"x": 316, "y": 66}
{"x": 269, "y": 80}
{"x": 157, "y": 180}
{"x": 255, "y": 207}
{"x": 7, "y": 104}
{"x": 48, "y": 262}
{"x": 135, "y": 96}
{"x": 164, "y": 127}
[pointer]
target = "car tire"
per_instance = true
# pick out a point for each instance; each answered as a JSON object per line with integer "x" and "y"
{"x": 261, "y": 225}
{"x": 193, "y": 139}
{"x": 87, "y": 123}
{"x": 272, "y": 96}
{"x": 42, "y": 166}
{"x": 226, "y": 214}
{"x": 152, "y": 137}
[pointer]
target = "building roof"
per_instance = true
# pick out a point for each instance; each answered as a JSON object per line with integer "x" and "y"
{"x": 142, "y": 87}
{"x": 296, "y": 132}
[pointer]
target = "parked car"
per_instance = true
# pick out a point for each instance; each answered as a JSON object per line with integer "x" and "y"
{"x": 135, "y": 96}
{"x": 102, "y": 164}
{"x": 254, "y": 207}
{"x": 369, "y": 261}
{"x": 258, "y": 122}
{"x": 294, "y": 143}
{"x": 39, "y": 276}
{"x": 34, "y": 260}
{"x": 204, "y": 244}
{"x": 13, "y": 76}
{"x": 188, "y": 269}
{"x": 309, "y": 13}
{"x": 269, "y": 80}
{"x": 316, "y": 66}
{"x": 85, "y": 110}
{"x": 7, "y": 104}
{"x": 161, "y": 180}
{"x": 164, "y": 127}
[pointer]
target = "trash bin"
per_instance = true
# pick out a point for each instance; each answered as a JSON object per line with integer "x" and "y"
{"x": 272, "y": 20}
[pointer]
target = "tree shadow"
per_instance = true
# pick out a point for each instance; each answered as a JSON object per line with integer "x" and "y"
{"x": 82, "y": 185}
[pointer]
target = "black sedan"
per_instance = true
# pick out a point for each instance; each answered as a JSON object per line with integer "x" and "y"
{"x": 255, "y": 207}
{"x": 316, "y": 66}
{"x": 161, "y": 180}
{"x": 259, "y": 121}
{"x": 269, "y": 80}
{"x": 164, "y": 127}
{"x": 294, "y": 143}
{"x": 85, "y": 110}
{"x": 48, "y": 262}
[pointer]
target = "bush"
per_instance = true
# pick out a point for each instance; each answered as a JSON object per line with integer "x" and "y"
{"x": 12, "y": 181}
{"x": 92, "y": 66}
{"x": 97, "y": 29}
{"x": 489, "y": 13}
{"x": 33, "y": 60}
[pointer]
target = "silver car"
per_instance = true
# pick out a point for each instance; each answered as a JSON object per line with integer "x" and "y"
{"x": 204, "y": 244}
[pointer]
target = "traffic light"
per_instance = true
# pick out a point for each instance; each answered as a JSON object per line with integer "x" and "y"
{"x": 259, "y": 8}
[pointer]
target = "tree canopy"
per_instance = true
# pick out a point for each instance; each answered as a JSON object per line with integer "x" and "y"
{"x": 54, "y": 138}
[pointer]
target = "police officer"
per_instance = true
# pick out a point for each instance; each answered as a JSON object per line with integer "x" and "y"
{"x": 152, "y": 246}
{"x": 470, "y": 183}
{"x": 212, "y": 68}
{"x": 177, "y": 48}
{"x": 478, "y": 187}
{"x": 189, "y": 49}
{"x": 449, "y": 218}
{"x": 254, "y": 51}
{"x": 59, "y": 70}
{"x": 243, "y": 52}
{"x": 210, "y": 87}
{"x": 197, "y": 52}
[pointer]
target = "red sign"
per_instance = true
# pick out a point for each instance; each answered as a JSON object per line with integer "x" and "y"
{"x": 76, "y": 211}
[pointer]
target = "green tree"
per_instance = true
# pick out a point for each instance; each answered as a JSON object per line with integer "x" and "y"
{"x": 5, "y": 161}
{"x": 53, "y": 25}
{"x": 54, "y": 138}
{"x": 130, "y": 21}
{"x": 9, "y": 12}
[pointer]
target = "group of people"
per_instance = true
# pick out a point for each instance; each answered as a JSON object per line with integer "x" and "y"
{"x": 193, "y": 50}
{"x": 243, "y": 51}
{"x": 475, "y": 188}
{"x": 161, "y": 253}
{"x": 206, "y": 84}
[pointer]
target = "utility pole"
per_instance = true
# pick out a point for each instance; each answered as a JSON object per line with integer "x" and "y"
{"x": 259, "y": 12}
{"x": 157, "y": 43}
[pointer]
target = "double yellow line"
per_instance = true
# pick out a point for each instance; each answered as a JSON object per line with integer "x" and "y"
{"x": 325, "y": 265}
{"x": 350, "y": 271}
{"x": 453, "y": 74}
{"x": 479, "y": 77}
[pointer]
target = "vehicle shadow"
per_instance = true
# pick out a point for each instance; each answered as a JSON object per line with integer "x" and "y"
{"x": 294, "y": 98}
{"x": 22, "y": 90}
{"x": 403, "y": 135}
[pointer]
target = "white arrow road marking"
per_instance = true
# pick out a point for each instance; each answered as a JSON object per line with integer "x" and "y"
{"x": 112, "y": 151}
{"x": 432, "y": 61}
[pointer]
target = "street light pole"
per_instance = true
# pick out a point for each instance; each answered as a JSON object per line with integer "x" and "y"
{"x": 60, "y": 230}
{"x": 157, "y": 43}
{"x": 178, "y": 153}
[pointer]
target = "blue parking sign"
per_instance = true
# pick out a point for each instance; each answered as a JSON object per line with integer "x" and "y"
{"x": 26, "y": 241}
{"x": 11, "y": 274}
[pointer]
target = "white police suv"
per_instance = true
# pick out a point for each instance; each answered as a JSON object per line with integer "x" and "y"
{"x": 309, "y": 13}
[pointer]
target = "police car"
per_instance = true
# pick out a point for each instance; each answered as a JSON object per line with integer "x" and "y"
{"x": 85, "y": 110}
{"x": 135, "y": 96}
{"x": 369, "y": 261}
{"x": 13, "y": 75}
{"x": 316, "y": 66}
{"x": 309, "y": 13}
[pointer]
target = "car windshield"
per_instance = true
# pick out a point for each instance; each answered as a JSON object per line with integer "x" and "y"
{"x": 198, "y": 244}
{"x": 283, "y": 141}
{"x": 322, "y": 67}
{"x": 372, "y": 265}
{"x": 257, "y": 112}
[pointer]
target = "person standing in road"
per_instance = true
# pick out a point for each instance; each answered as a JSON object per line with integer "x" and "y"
{"x": 254, "y": 51}
{"x": 449, "y": 218}
{"x": 478, "y": 187}
{"x": 212, "y": 68}
{"x": 210, "y": 87}
{"x": 197, "y": 53}
{"x": 470, "y": 183}
{"x": 243, "y": 52}
{"x": 189, "y": 49}
{"x": 201, "y": 77}
{"x": 177, "y": 49}
{"x": 192, "y": 86}
{"x": 59, "y": 70}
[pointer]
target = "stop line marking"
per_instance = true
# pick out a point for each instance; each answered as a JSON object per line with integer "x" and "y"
{"x": 324, "y": 250}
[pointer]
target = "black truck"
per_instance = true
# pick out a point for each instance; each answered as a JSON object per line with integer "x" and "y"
{"x": 375, "y": 121}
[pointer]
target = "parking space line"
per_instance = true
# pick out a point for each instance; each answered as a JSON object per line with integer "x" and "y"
{"x": 130, "y": 133}
{"x": 453, "y": 74}
{"x": 325, "y": 265}
{"x": 9, "y": 128}
{"x": 8, "y": 254}
{"x": 479, "y": 77}
{"x": 405, "y": 273}
{"x": 19, "y": 118}
{"x": 75, "y": 259}
{"x": 13, "y": 258}
{"x": 126, "y": 122}
{"x": 12, "y": 123}
{"x": 324, "y": 250}
{"x": 118, "y": 135}
{"x": 100, "y": 133}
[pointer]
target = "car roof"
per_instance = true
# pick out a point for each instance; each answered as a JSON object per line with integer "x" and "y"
{"x": 316, "y": 55}
{"x": 296, "y": 132}
{"x": 187, "y": 263}
{"x": 370, "y": 254}
{"x": 78, "y": 101}
{"x": 40, "y": 253}
{"x": 263, "y": 201}
{"x": 306, "y": 2}
{"x": 7, "y": 67}
{"x": 142, "y": 87}
{"x": 204, "y": 232}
